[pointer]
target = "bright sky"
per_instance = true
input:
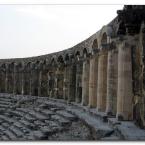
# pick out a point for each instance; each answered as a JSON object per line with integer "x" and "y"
{"x": 32, "y": 30}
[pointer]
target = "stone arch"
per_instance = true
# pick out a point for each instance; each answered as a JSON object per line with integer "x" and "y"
{"x": 60, "y": 59}
{"x": 85, "y": 52}
{"x": 104, "y": 39}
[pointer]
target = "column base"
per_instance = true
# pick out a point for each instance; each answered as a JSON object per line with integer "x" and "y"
{"x": 109, "y": 113}
{"x": 119, "y": 117}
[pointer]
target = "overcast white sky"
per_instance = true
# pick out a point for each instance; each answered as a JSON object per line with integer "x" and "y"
{"x": 32, "y": 30}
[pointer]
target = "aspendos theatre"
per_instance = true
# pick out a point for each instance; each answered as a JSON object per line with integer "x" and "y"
{"x": 92, "y": 91}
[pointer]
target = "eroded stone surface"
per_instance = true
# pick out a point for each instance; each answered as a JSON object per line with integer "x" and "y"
{"x": 36, "y": 118}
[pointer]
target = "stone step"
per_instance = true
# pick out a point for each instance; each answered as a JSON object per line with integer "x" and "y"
{"x": 67, "y": 115}
{"x": 16, "y": 130}
{"x": 37, "y": 135}
{"x": 16, "y": 113}
{"x": 4, "y": 106}
{"x": 39, "y": 123}
{"x": 7, "y": 119}
{"x": 10, "y": 134}
{"x": 47, "y": 112}
{"x": 62, "y": 121}
{"x": 55, "y": 126}
{"x": 29, "y": 118}
{"x": 110, "y": 138}
{"x": 47, "y": 130}
{"x": 6, "y": 130}
{"x": 22, "y": 127}
{"x": 2, "y": 128}
{"x": 5, "y": 102}
{"x": 28, "y": 124}
{"x": 34, "y": 113}
{"x": 4, "y": 138}
{"x": 99, "y": 128}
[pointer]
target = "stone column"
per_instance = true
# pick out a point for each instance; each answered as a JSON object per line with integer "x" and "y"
{"x": 102, "y": 81}
{"x": 112, "y": 70}
{"x": 44, "y": 82}
{"x": 79, "y": 68}
{"x": 85, "y": 82}
{"x": 39, "y": 83}
{"x": 65, "y": 82}
{"x": 72, "y": 82}
{"x": 22, "y": 91}
{"x": 60, "y": 79}
{"x": 56, "y": 84}
{"x": 52, "y": 83}
{"x": 2, "y": 78}
{"x": 93, "y": 81}
{"x": 15, "y": 80}
{"x": 6, "y": 79}
{"x": 124, "y": 94}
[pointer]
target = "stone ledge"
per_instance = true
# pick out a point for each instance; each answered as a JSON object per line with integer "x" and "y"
{"x": 127, "y": 130}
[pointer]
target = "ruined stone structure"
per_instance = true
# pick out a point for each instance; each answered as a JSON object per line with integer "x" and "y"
{"x": 106, "y": 71}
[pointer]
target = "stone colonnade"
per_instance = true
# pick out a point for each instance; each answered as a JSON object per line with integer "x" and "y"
{"x": 101, "y": 80}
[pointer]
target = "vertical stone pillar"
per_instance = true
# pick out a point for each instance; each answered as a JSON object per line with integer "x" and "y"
{"x": 93, "y": 81}
{"x": 72, "y": 82}
{"x": 34, "y": 81}
{"x": 15, "y": 79}
{"x": 124, "y": 94}
{"x": 102, "y": 81}
{"x": 60, "y": 82}
{"x": 65, "y": 82}
{"x": 112, "y": 70}
{"x": 10, "y": 78}
{"x": 26, "y": 79}
{"x": 6, "y": 80}
{"x": 79, "y": 68}
{"x": 22, "y": 88}
{"x": 85, "y": 83}
{"x": 56, "y": 84}
{"x": 39, "y": 83}
{"x": 51, "y": 83}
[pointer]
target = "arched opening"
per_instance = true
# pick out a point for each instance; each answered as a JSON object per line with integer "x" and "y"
{"x": 85, "y": 53}
{"x": 104, "y": 39}
{"x": 95, "y": 46}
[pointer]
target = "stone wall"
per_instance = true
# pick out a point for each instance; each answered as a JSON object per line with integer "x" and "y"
{"x": 105, "y": 71}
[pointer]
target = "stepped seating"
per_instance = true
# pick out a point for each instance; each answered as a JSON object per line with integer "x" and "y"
{"x": 21, "y": 119}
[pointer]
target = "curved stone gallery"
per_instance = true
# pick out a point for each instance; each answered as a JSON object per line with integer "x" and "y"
{"x": 92, "y": 91}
